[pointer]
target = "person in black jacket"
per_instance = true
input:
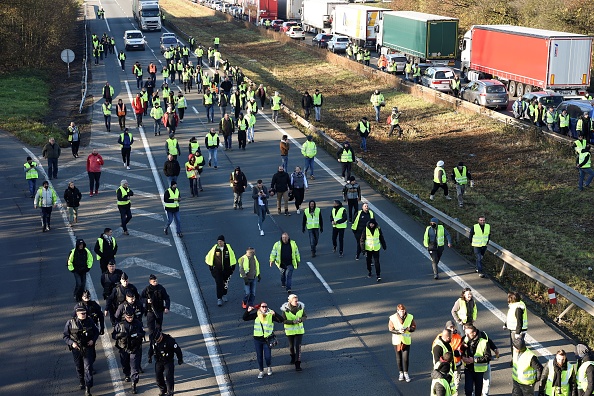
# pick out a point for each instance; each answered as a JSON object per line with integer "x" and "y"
{"x": 80, "y": 261}
{"x": 156, "y": 303}
{"x": 281, "y": 185}
{"x": 81, "y": 334}
{"x": 164, "y": 348}
{"x": 585, "y": 370}
{"x": 110, "y": 278}
{"x": 130, "y": 303}
{"x": 238, "y": 183}
{"x": 129, "y": 335}
{"x": 93, "y": 311}
{"x": 524, "y": 360}
{"x": 264, "y": 319}
{"x": 118, "y": 296}
{"x": 171, "y": 169}
{"x": 307, "y": 104}
{"x": 72, "y": 197}
{"x": 105, "y": 248}
{"x": 474, "y": 366}
{"x": 260, "y": 197}
{"x": 441, "y": 377}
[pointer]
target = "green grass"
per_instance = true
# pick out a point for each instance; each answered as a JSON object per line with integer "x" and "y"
{"x": 24, "y": 99}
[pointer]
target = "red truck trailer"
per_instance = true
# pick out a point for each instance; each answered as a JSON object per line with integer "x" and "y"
{"x": 258, "y": 10}
{"x": 528, "y": 59}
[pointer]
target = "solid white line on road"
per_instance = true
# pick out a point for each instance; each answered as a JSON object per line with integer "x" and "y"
{"x": 136, "y": 192}
{"x": 120, "y": 161}
{"x": 143, "y": 235}
{"x": 320, "y": 277}
{"x": 180, "y": 310}
{"x": 195, "y": 111}
{"x": 205, "y": 326}
{"x": 162, "y": 269}
{"x": 126, "y": 174}
{"x": 194, "y": 360}
{"x": 534, "y": 344}
{"x": 112, "y": 363}
{"x": 137, "y": 212}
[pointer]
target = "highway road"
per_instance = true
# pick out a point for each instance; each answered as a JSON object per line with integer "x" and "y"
{"x": 347, "y": 347}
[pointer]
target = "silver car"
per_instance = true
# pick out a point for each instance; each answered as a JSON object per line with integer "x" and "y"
{"x": 438, "y": 78}
{"x": 338, "y": 43}
{"x": 400, "y": 61}
{"x": 487, "y": 93}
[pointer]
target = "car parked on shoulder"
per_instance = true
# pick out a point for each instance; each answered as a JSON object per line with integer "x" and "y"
{"x": 134, "y": 39}
{"x": 338, "y": 43}
{"x": 296, "y": 32}
{"x": 487, "y": 93}
{"x": 438, "y": 78}
{"x": 277, "y": 24}
{"x": 400, "y": 61}
{"x": 576, "y": 108}
{"x": 287, "y": 25}
{"x": 321, "y": 40}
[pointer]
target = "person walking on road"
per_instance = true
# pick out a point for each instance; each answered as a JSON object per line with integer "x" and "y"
{"x": 121, "y": 112}
{"x": 285, "y": 254}
{"x": 351, "y": 193}
{"x": 249, "y": 271}
{"x": 338, "y": 218}
{"x": 434, "y": 241}
{"x": 81, "y": 334}
{"x": 314, "y": 222}
{"x": 318, "y": 101}
{"x": 377, "y": 101}
{"x": 358, "y": 226}
{"x": 171, "y": 168}
{"x": 165, "y": 349}
{"x": 31, "y": 175}
{"x": 74, "y": 138}
{"x": 242, "y": 127}
{"x": 126, "y": 140}
{"x": 106, "y": 249}
{"x": 221, "y": 261}
{"x": 212, "y": 141}
{"x": 80, "y": 262}
{"x": 131, "y": 301}
{"x": 460, "y": 176}
{"x": 346, "y": 157}
{"x": 227, "y": 128}
{"x": 156, "y": 304}
{"x": 464, "y": 310}
{"x": 263, "y": 319}
{"x": 192, "y": 174}
{"x": 51, "y": 151}
{"x": 47, "y": 199}
{"x": 293, "y": 312}
{"x": 110, "y": 278}
{"x": 401, "y": 325}
{"x": 157, "y": 115}
{"x": 476, "y": 355}
{"x": 170, "y": 121}
{"x": 281, "y": 186}
{"x": 584, "y": 166}
{"x": 585, "y": 370}
{"x": 138, "y": 106}
{"x": 275, "y": 105}
{"x": 371, "y": 240}
{"x": 93, "y": 311}
{"x": 171, "y": 198}
{"x": 439, "y": 181}
{"x": 129, "y": 335}
{"x": 517, "y": 318}
{"x": 261, "y": 95}
{"x": 558, "y": 377}
{"x": 441, "y": 377}
{"x": 480, "y": 234}
{"x": 118, "y": 295}
{"x": 123, "y": 194}
{"x": 527, "y": 370}
{"x": 284, "y": 151}
{"x": 298, "y": 187}
{"x": 122, "y": 59}
{"x": 238, "y": 183}
{"x": 260, "y": 197}
{"x": 309, "y": 151}
{"x": 72, "y": 197}
{"x": 94, "y": 164}
{"x": 106, "y": 109}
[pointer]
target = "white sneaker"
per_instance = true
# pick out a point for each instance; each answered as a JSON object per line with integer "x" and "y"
{"x": 431, "y": 197}
{"x": 448, "y": 198}
{"x": 262, "y": 232}
{"x": 406, "y": 377}
{"x": 269, "y": 371}
{"x": 298, "y": 211}
{"x": 128, "y": 167}
{"x": 261, "y": 374}
{"x": 401, "y": 376}
{"x": 225, "y": 299}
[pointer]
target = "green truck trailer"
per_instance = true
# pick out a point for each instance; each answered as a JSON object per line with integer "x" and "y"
{"x": 422, "y": 37}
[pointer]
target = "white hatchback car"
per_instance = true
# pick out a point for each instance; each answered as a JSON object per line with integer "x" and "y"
{"x": 296, "y": 32}
{"x": 438, "y": 78}
{"x": 134, "y": 39}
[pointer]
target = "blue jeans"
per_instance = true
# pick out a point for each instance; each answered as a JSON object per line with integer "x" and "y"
{"x": 364, "y": 143}
{"x": 318, "y": 112}
{"x": 314, "y": 236}
{"x": 32, "y": 184}
{"x": 212, "y": 155}
{"x": 107, "y": 122}
{"x": 210, "y": 113}
{"x": 250, "y": 292}
{"x": 287, "y": 276}
{"x": 377, "y": 112}
{"x": 228, "y": 141}
{"x": 52, "y": 168}
{"x": 583, "y": 172}
{"x": 309, "y": 164}
{"x": 250, "y": 134}
{"x": 171, "y": 179}
{"x": 157, "y": 128}
{"x": 284, "y": 161}
{"x": 170, "y": 217}
{"x": 261, "y": 215}
{"x": 262, "y": 352}
{"x": 479, "y": 253}
{"x": 80, "y": 280}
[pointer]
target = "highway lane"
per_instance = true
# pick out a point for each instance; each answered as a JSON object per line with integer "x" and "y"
{"x": 347, "y": 346}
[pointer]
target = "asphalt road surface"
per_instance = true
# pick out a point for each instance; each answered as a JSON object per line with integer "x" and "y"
{"x": 347, "y": 346}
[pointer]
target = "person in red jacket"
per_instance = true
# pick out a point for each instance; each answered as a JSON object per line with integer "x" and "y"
{"x": 138, "y": 106}
{"x": 170, "y": 120}
{"x": 94, "y": 164}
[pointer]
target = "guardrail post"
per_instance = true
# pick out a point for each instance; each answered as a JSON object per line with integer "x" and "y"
{"x": 562, "y": 314}
{"x": 502, "y": 269}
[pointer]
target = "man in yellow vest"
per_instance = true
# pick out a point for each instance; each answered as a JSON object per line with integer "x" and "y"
{"x": 285, "y": 254}
{"x": 585, "y": 372}
{"x": 434, "y": 241}
{"x": 439, "y": 181}
{"x": 80, "y": 262}
{"x": 378, "y": 101}
{"x": 249, "y": 271}
{"x": 527, "y": 370}
{"x": 476, "y": 355}
{"x": 31, "y": 175}
{"x": 313, "y": 221}
{"x": 517, "y": 318}
{"x": 122, "y": 59}
{"x": 221, "y": 261}
{"x": 479, "y": 236}
{"x": 464, "y": 310}
{"x": 441, "y": 376}
{"x": 346, "y": 157}
{"x": 455, "y": 86}
{"x": 309, "y": 151}
{"x": 564, "y": 123}
{"x": 46, "y": 199}
{"x": 123, "y": 194}
{"x": 584, "y": 166}
{"x": 276, "y": 102}
{"x": 558, "y": 377}
{"x": 293, "y": 313}
{"x": 461, "y": 176}
{"x": 339, "y": 224}
{"x": 371, "y": 240}
{"x": 171, "y": 198}
{"x": 105, "y": 248}
{"x": 318, "y": 100}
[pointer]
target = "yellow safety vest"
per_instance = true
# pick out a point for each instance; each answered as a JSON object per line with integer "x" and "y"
{"x": 582, "y": 379}
{"x": 480, "y": 237}
{"x": 31, "y": 171}
{"x": 172, "y": 146}
{"x": 295, "y": 328}
{"x": 580, "y": 145}
{"x": 522, "y": 372}
{"x": 346, "y": 156}
{"x": 106, "y": 109}
{"x": 194, "y": 147}
{"x": 463, "y": 311}
{"x": 337, "y": 216}
{"x": 563, "y": 120}
{"x": 276, "y": 100}
{"x": 313, "y": 219}
{"x": 480, "y": 352}
{"x": 356, "y": 222}
{"x": 245, "y": 264}
{"x": 212, "y": 139}
{"x": 124, "y": 194}
{"x": 207, "y": 98}
{"x": 275, "y": 254}
{"x": 372, "y": 240}
{"x": 100, "y": 241}
{"x": 511, "y": 321}
{"x": 209, "y": 259}
{"x": 173, "y": 195}
{"x": 565, "y": 375}
{"x": 440, "y": 236}
{"x": 263, "y": 329}
{"x": 404, "y": 338}
{"x": 436, "y": 175}
{"x": 582, "y": 157}
{"x": 461, "y": 178}
{"x": 309, "y": 149}
{"x": 444, "y": 383}
{"x": 317, "y": 99}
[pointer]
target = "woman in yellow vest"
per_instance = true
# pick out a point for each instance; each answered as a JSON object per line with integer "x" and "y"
{"x": 517, "y": 318}
{"x": 263, "y": 327}
{"x": 293, "y": 316}
{"x": 401, "y": 324}
{"x": 558, "y": 377}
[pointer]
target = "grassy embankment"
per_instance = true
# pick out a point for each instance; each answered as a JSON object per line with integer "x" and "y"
{"x": 525, "y": 185}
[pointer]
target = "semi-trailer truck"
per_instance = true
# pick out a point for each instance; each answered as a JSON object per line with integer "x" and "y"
{"x": 289, "y": 10}
{"x": 316, "y": 15}
{"x": 147, "y": 14}
{"x": 258, "y": 10}
{"x": 528, "y": 59}
{"x": 356, "y": 21}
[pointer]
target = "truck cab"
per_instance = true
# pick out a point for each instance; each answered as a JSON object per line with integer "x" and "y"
{"x": 147, "y": 14}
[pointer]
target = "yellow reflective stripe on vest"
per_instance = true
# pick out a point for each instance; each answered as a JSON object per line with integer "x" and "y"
{"x": 463, "y": 311}
{"x": 267, "y": 326}
{"x": 212, "y": 139}
{"x": 346, "y": 156}
{"x": 172, "y": 146}
{"x": 372, "y": 241}
{"x": 337, "y": 216}
{"x": 436, "y": 175}
{"x": 461, "y": 178}
{"x": 481, "y": 349}
{"x": 522, "y": 372}
{"x": 480, "y": 237}
{"x": 401, "y": 338}
{"x": 173, "y": 195}
{"x": 565, "y": 375}
{"x": 583, "y": 157}
{"x": 312, "y": 219}
{"x": 295, "y": 328}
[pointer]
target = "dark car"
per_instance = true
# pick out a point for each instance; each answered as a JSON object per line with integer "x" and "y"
{"x": 276, "y": 24}
{"x": 321, "y": 40}
{"x": 575, "y": 109}
{"x": 547, "y": 99}
{"x": 168, "y": 41}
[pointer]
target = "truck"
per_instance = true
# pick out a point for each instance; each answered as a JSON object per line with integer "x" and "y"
{"x": 147, "y": 14}
{"x": 356, "y": 21}
{"x": 423, "y": 38}
{"x": 258, "y": 10}
{"x": 528, "y": 59}
{"x": 316, "y": 15}
{"x": 289, "y": 10}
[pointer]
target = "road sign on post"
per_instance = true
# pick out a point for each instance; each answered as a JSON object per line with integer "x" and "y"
{"x": 67, "y": 56}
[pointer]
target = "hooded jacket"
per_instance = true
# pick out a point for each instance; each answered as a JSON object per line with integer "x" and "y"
{"x": 364, "y": 234}
{"x": 238, "y": 181}
{"x": 72, "y": 196}
{"x": 80, "y": 260}
{"x": 309, "y": 212}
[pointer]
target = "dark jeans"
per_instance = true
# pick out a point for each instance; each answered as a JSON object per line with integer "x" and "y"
{"x": 193, "y": 187}
{"x": 138, "y": 120}
{"x": 107, "y": 122}
{"x": 261, "y": 215}
{"x": 83, "y": 361}
{"x": 479, "y": 253}
{"x": 307, "y": 111}
{"x": 94, "y": 181}
{"x": 126, "y": 155}
{"x": 473, "y": 381}
{"x": 32, "y": 184}
{"x": 295, "y": 345}
{"x": 522, "y": 390}
{"x": 122, "y": 122}
{"x": 435, "y": 257}
{"x": 74, "y": 146}
{"x": 287, "y": 276}
{"x": 262, "y": 353}
{"x": 373, "y": 254}
{"x": 583, "y": 172}
{"x": 154, "y": 321}
{"x": 52, "y": 168}
{"x": 437, "y": 186}
{"x": 402, "y": 357}
{"x": 165, "y": 383}
{"x": 131, "y": 364}
{"x": 242, "y": 139}
{"x": 299, "y": 194}
{"x": 357, "y": 235}
{"x": 125, "y": 214}
{"x": 228, "y": 141}
{"x": 338, "y": 232}
{"x": 221, "y": 283}
{"x": 353, "y": 209}
{"x": 314, "y": 236}
{"x": 80, "y": 279}
{"x": 46, "y": 216}
{"x": 346, "y": 170}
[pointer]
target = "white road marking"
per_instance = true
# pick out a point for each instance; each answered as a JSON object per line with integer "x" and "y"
{"x": 126, "y": 174}
{"x": 108, "y": 146}
{"x": 194, "y": 360}
{"x": 120, "y": 161}
{"x": 136, "y": 192}
{"x": 143, "y": 235}
{"x": 162, "y": 269}
{"x": 320, "y": 277}
{"x": 181, "y": 310}
{"x": 135, "y": 211}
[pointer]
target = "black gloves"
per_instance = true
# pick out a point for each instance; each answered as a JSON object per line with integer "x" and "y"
{"x": 246, "y": 280}
{"x": 180, "y": 362}
{"x": 102, "y": 331}
{"x": 259, "y": 278}
{"x": 150, "y": 360}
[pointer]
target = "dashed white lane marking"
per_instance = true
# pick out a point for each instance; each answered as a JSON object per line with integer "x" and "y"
{"x": 319, "y": 276}
{"x": 181, "y": 310}
{"x": 135, "y": 211}
{"x": 143, "y": 235}
{"x": 120, "y": 161}
{"x": 136, "y": 192}
{"x": 155, "y": 267}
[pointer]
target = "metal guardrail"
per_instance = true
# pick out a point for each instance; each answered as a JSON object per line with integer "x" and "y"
{"x": 508, "y": 258}
{"x": 84, "y": 82}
